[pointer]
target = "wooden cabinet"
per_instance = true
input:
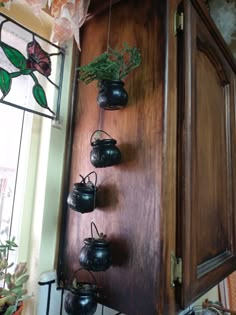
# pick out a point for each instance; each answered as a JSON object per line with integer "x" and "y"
{"x": 206, "y": 155}
{"x": 174, "y": 191}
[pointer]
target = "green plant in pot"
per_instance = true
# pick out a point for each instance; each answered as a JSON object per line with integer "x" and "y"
{"x": 12, "y": 291}
{"x": 110, "y": 69}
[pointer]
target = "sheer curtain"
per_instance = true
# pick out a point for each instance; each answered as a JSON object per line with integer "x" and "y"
{"x": 227, "y": 292}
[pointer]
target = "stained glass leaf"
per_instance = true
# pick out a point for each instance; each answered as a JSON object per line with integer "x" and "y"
{"x": 26, "y": 71}
{"x": 15, "y": 57}
{"x": 5, "y": 81}
{"x": 40, "y": 95}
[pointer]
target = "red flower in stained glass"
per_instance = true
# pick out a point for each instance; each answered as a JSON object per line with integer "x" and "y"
{"x": 38, "y": 59}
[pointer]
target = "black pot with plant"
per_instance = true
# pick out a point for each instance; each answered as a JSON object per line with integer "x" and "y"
{"x": 104, "y": 152}
{"x": 82, "y": 297}
{"x": 82, "y": 198}
{"x": 96, "y": 255}
{"x": 110, "y": 69}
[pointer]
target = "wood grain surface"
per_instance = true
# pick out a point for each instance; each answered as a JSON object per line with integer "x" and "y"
{"x": 206, "y": 159}
{"x": 129, "y": 194}
{"x": 174, "y": 189}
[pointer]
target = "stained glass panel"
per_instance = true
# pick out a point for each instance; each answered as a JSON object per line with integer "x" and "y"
{"x": 33, "y": 60}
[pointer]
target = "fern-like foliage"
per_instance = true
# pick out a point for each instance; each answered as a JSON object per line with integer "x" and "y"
{"x": 111, "y": 65}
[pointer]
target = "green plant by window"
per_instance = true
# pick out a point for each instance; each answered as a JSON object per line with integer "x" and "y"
{"x": 111, "y": 65}
{"x": 13, "y": 292}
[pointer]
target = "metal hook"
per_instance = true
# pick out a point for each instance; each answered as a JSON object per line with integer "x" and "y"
{"x": 94, "y": 225}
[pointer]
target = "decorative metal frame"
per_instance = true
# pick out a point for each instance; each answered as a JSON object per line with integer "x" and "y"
{"x": 37, "y": 60}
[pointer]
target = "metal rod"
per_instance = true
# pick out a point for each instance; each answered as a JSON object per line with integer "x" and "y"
{"x": 60, "y": 88}
{"x": 26, "y": 109}
{"x": 17, "y": 170}
{"x": 49, "y": 283}
{"x": 48, "y": 300}
{"x": 61, "y": 307}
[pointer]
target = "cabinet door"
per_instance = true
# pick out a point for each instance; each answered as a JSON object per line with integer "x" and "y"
{"x": 206, "y": 155}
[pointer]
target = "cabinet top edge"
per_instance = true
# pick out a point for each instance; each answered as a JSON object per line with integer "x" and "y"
{"x": 213, "y": 29}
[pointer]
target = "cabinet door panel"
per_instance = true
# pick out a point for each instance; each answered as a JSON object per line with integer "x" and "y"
{"x": 209, "y": 162}
{"x": 206, "y": 238}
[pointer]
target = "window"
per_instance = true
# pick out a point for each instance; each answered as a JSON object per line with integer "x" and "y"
{"x": 36, "y": 173}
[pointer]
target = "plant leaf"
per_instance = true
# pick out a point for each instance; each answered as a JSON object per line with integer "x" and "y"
{"x": 4, "y": 293}
{"x": 10, "y": 310}
{"x": 19, "y": 291}
{"x": 14, "y": 56}
{"x": 40, "y": 95}
{"x": 5, "y": 81}
{"x": 21, "y": 280}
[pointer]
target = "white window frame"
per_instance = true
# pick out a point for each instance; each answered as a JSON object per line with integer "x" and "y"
{"x": 39, "y": 237}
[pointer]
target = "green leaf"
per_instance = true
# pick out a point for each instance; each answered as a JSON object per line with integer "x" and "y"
{"x": 26, "y": 71}
{"x": 40, "y": 95}
{"x": 19, "y": 291}
{"x": 21, "y": 280}
{"x": 5, "y": 81}
{"x": 10, "y": 310}
{"x": 14, "y": 56}
{"x": 5, "y": 292}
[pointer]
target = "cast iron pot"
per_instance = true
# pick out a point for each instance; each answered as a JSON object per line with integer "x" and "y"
{"x": 104, "y": 151}
{"x": 83, "y": 196}
{"x": 82, "y": 298}
{"x": 111, "y": 94}
{"x": 95, "y": 255}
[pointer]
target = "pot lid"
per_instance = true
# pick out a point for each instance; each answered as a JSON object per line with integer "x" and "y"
{"x": 101, "y": 241}
{"x": 103, "y": 142}
{"x": 84, "y": 288}
{"x": 85, "y": 187}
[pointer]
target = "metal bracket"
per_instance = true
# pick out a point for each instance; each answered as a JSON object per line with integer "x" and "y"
{"x": 57, "y": 123}
{"x": 178, "y": 22}
{"x": 176, "y": 269}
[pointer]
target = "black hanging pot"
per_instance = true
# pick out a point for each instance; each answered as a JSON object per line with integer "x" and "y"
{"x": 104, "y": 151}
{"x": 95, "y": 255}
{"x": 83, "y": 196}
{"x": 82, "y": 297}
{"x": 111, "y": 94}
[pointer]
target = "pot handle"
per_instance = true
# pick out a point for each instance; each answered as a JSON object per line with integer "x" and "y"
{"x": 99, "y": 131}
{"x": 79, "y": 269}
{"x": 87, "y": 176}
{"x": 100, "y": 235}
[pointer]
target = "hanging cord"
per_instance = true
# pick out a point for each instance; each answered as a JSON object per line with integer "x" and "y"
{"x": 108, "y": 40}
{"x": 109, "y": 26}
